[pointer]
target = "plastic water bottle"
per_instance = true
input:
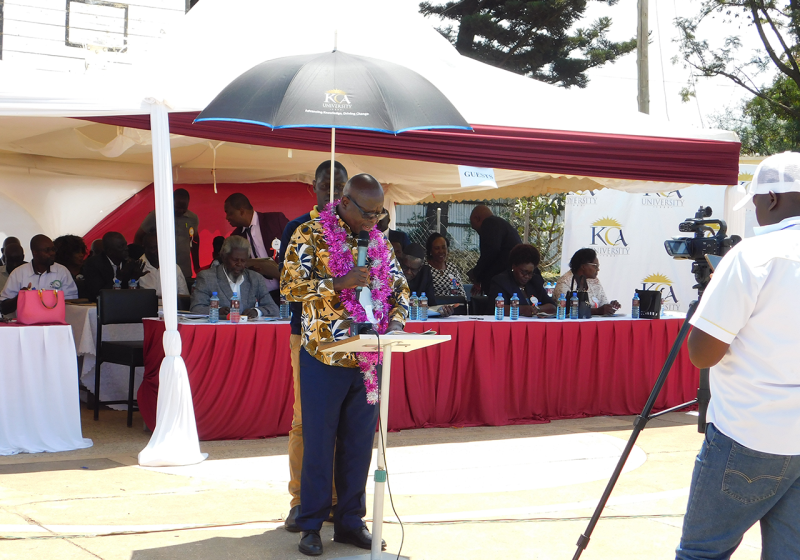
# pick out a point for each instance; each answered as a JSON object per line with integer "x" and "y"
{"x": 413, "y": 307}
{"x": 133, "y": 284}
{"x": 117, "y": 284}
{"x": 213, "y": 308}
{"x": 573, "y": 307}
{"x": 514, "y": 307}
{"x": 423, "y": 307}
{"x": 635, "y": 306}
{"x": 499, "y": 307}
{"x": 285, "y": 311}
{"x": 235, "y": 311}
{"x": 561, "y": 310}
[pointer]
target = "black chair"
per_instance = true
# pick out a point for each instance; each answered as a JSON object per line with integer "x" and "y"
{"x": 116, "y": 307}
{"x": 481, "y": 305}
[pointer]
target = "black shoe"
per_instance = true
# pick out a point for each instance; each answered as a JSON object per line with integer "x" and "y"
{"x": 360, "y": 537}
{"x": 310, "y": 543}
{"x": 290, "y": 524}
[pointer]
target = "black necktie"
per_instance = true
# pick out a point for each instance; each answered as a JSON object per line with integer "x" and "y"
{"x": 253, "y": 249}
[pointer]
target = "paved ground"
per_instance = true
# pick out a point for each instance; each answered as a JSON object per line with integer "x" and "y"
{"x": 466, "y": 494}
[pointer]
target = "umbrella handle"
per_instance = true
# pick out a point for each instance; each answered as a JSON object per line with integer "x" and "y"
{"x": 333, "y": 157}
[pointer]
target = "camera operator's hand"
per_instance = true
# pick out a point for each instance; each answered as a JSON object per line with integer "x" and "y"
{"x": 356, "y": 278}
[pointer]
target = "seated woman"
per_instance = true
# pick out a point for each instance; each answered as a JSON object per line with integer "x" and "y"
{"x": 525, "y": 280}
{"x": 582, "y": 275}
{"x": 443, "y": 272}
{"x": 419, "y": 277}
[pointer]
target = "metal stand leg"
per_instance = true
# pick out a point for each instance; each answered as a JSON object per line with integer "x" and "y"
{"x": 380, "y": 472}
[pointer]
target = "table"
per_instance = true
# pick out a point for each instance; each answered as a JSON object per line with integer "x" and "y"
{"x": 491, "y": 373}
{"x": 114, "y": 381}
{"x": 39, "y": 402}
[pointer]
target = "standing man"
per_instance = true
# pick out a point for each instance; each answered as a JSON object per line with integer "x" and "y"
{"x": 263, "y": 230}
{"x": 42, "y": 273}
{"x": 187, "y": 236}
{"x": 498, "y": 237}
{"x": 322, "y": 188}
{"x": 339, "y": 401}
{"x": 746, "y": 330}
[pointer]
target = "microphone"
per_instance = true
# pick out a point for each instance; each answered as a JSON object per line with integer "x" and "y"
{"x": 363, "y": 243}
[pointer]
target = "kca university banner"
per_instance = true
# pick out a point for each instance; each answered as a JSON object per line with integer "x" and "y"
{"x": 628, "y": 232}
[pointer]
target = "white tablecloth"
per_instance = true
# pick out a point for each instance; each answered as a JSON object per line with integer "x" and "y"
{"x": 114, "y": 380}
{"x": 39, "y": 402}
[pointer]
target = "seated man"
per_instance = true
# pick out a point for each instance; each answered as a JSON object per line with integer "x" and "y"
{"x": 6, "y": 243}
{"x": 13, "y": 256}
{"x": 100, "y": 271}
{"x": 42, "y": 273}
{"x": 264, "y": 231}
{"x": 417, "y": 274}
{"x": 151, "y": 276}
{"x": 232, "y": 276}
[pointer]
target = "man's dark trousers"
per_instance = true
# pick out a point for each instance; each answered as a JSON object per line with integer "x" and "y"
{"x": 336, "y": 415}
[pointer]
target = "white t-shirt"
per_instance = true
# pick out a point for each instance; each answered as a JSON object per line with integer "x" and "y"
{"x": 750, "y": 304}
{"x": 56, "y": 278}
{"x": 152, "y": 280}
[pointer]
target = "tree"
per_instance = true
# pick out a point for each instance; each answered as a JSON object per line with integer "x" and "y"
{"x": 762, "y": 129}
{"x": 778, "y": 26}
{"x": 533, "y": 38}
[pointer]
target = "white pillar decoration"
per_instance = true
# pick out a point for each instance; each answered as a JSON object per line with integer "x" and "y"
{"x": 174, "y": 441}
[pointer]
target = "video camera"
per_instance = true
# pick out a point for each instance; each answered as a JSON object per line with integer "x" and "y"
{"x": 706, "y": 241}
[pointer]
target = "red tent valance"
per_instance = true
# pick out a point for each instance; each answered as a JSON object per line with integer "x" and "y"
{"x": 643, "y": 158}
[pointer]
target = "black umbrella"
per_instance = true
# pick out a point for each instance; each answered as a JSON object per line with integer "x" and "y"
{"x": 334, "y": 90}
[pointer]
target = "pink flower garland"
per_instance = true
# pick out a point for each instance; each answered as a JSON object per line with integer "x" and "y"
{"x": 340, "y": 263}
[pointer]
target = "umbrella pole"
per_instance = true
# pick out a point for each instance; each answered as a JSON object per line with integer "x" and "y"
{"x": 333, "y": 157}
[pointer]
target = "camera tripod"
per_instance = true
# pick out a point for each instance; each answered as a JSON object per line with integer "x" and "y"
{"x": 703, "y": 396}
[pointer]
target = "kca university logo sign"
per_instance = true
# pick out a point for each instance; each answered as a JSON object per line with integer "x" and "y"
{"x": 337, "y": 99}
{"x": 672, "y": 199}
{"x": 661, "y": 283}
{"x": 581, "y": 198}
{"x": 608, "y": 239}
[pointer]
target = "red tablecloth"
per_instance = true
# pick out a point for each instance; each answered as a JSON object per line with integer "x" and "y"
{"x": 490, "y": 374}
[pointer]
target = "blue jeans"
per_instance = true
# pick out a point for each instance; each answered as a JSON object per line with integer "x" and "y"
{"x": 732, "y": 488}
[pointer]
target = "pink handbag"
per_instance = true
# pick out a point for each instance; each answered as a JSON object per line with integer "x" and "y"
{"x": 39, "y": 307}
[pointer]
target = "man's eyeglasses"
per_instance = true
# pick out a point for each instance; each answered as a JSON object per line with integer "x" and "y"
{"x": 369, "y": 215}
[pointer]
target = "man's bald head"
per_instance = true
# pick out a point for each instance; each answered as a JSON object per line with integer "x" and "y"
{"x": 39, "y": 241}
{"x": 362, "y": 203}
{"x": 479, "y": 213}
{"x": 11, "y": 241}
{"x": 43, "y": 251}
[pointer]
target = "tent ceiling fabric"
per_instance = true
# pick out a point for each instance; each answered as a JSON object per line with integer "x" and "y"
{"x": 560, "y": 138}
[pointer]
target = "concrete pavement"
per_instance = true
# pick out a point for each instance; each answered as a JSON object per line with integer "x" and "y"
{"x": 467, "y": 494}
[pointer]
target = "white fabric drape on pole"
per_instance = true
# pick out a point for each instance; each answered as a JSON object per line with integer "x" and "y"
{"x": 174, "y": 441}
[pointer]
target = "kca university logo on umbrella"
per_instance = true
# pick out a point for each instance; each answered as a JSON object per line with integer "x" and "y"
{"x": 337, "y": 99}
{"x": 608, "y": 239}
{"x": 673, "y": 199}
{"x": 661, "y": 283}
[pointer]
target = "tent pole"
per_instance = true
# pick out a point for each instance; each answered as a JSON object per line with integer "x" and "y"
{"x": 174, "y": 441}
{"x": 333, "y": 157}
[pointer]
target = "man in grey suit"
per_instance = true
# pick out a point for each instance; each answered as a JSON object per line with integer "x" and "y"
{"x": 231, "y": 276}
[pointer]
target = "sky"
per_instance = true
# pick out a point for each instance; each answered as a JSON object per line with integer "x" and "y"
{"x": 615, "y": 85}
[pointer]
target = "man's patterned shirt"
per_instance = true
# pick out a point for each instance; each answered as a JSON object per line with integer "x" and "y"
{"x": 306, "y": 278}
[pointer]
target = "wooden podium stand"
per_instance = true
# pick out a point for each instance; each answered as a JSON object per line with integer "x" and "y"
{"x": 398, "y": 342}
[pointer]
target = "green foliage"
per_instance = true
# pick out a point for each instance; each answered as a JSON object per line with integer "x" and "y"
{"x": 777, "y": 23}
{"x": 532, "y": 38}
{"x": 762, "y": 129}
{"x": 546, "y": 214}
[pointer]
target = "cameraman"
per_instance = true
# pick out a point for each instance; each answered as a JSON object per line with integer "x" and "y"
{"x": 747, "y": 327}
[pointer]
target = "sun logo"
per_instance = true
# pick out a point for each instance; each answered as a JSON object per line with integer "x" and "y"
{"x": 336, "y": 97}
{"x": 660, "y": 283}
{"x": 608, "y": 231}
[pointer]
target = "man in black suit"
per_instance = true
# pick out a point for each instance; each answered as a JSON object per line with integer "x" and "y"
{"x": 498, "y": 237}
{"x": 101, "y": 270}
{"x": 263, "y": 230}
